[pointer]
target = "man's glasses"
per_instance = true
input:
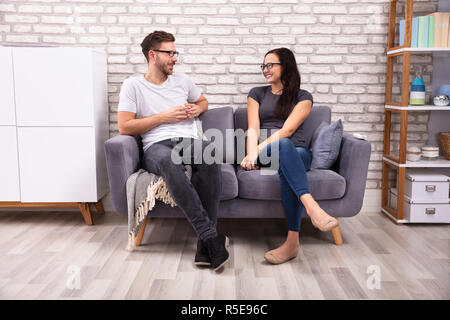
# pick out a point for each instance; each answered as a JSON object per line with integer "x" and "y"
{"x": 269, "y": 66}
{"x": 170, "y": 53}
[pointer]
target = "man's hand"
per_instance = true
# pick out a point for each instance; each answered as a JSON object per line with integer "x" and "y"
{"x": 175, "y": 114}
{"x": 193, "y": 110}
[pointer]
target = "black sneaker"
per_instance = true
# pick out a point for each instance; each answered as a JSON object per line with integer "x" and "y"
{"x": 217, "y": 251}
{"x": 201, "y": 256}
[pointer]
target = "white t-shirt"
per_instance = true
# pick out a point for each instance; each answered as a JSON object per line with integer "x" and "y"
{"x": 144, "y": 98}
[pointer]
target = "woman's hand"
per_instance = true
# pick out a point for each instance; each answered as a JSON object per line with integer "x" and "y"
{"x": 249, "y": 162}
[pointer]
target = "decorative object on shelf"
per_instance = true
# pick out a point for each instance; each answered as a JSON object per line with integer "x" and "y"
{"x": 441, "y": 100}
{"x": 413, "y": 154}
{"x": 417, "y": 94}
{"x": 445, "y": 143}
{"x": 444, "y": 89}
{"x": 430, "y": 152}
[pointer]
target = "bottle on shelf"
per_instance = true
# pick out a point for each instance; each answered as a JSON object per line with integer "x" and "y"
{"x": 417, "y": 92}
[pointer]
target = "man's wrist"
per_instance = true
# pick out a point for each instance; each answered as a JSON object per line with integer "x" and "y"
{"x": 160, "y": 119}
{"x": 203, "y": 107}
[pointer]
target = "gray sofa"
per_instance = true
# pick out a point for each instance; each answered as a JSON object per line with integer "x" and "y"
{"x": 248, "y": 194}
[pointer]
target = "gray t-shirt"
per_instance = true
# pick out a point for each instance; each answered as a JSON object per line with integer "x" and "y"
{"x": 267, "y": 103}
{"x": 144, "y": 98}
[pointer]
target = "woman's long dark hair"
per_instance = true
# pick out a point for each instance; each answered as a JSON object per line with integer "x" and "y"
{"x": 290, "y": 78}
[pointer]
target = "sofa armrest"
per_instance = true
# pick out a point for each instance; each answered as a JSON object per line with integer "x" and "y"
{"x": 122, "y": 160}
{"x": 353, "y": 164}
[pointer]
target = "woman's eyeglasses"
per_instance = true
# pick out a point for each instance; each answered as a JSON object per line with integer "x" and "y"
{"x": 269, "y": 66}
{"x": 170, "y": 53}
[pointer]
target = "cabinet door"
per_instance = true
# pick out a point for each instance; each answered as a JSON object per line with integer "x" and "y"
{"x": 53, "y": 86}
{"x": 9, "y": 167}
{"x": 7, "y": 108}
{"x": 57, "y": 164}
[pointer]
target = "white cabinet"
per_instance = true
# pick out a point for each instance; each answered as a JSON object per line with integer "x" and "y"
{"x": 9, "y": 168}
{"x": 53, "y": 124}
{"x": 68, "y": 175}
{"x": 57, "y": 91}
{"x": 7, "y": 109}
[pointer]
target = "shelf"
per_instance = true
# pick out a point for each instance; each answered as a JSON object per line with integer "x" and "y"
{"x": 441, "y": 58}
{"x": 390, "y": 216}
{"x": 439, "y": 163}
{"x": 418, "y": 50}
{"x": 419, "y": 108}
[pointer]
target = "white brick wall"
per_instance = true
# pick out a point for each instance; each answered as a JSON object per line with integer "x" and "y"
{"x": 339, "y": 45}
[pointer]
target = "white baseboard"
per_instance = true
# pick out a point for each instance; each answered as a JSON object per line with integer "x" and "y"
{"x": 372, "y": 201}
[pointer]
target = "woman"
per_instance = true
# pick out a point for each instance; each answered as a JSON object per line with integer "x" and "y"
{"x": 281, "y": 108}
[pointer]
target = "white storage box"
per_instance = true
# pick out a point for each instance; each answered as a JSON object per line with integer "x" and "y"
{"x": 426, "y": 185}
{"x": 422, "y": 212}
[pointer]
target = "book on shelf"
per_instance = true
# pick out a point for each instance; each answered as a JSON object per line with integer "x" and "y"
{"x": 441, "y": 29}
{"x": 414, "y": 32}
{"x": 402, "y": 33}
{"x": 431, "y": 34}
{"x": 431, "y": 31}
{"x": 422, "y": 33}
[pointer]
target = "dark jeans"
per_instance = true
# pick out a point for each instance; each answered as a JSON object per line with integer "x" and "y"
{"x": 293, "y": 164}
{"x": 197, "y": 198}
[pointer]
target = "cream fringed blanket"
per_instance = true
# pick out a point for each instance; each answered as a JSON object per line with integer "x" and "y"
{"x": 143, "y": 189}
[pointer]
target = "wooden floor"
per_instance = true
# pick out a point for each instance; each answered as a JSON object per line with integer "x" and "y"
{"x": 54, "y": 255}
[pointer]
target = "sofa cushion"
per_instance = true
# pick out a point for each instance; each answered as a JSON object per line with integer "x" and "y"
{"x": 219, "y": 123}
{"x": 326, "y": 144}
{"x": 324, "y": 184}
{"x": 229, "y": 182}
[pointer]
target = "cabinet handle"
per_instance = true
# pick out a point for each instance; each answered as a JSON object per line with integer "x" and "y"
{"x": 430, "y": 188}
{"x": 430, "y": 210}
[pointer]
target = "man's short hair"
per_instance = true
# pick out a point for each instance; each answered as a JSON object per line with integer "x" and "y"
{"x": 153, "y": 41}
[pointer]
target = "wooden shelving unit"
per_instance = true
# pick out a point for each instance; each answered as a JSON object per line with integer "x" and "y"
{"x": 398, "y": 161}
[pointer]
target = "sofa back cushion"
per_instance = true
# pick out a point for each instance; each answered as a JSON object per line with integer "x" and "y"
{"x": 221, "y": 121}
{"x": 326, "y": 144}
{"x": 318, "y": 115}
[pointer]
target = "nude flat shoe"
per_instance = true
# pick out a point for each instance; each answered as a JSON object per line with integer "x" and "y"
{"x": 328, "y": 225}
{"x": 271, "y": 257}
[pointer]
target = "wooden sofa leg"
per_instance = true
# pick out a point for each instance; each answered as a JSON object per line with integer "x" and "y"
{"x": 140, "y": 234}
{"x": 337, "y": 236}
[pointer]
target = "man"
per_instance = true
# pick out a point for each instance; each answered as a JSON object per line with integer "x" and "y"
{"x": 161, "y": 107}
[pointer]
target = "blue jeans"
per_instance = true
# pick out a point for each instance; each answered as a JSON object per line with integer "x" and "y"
{"x": 293, "y": 164}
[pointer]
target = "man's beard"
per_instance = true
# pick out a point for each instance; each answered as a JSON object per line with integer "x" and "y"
{"x": 163, "y": 68}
